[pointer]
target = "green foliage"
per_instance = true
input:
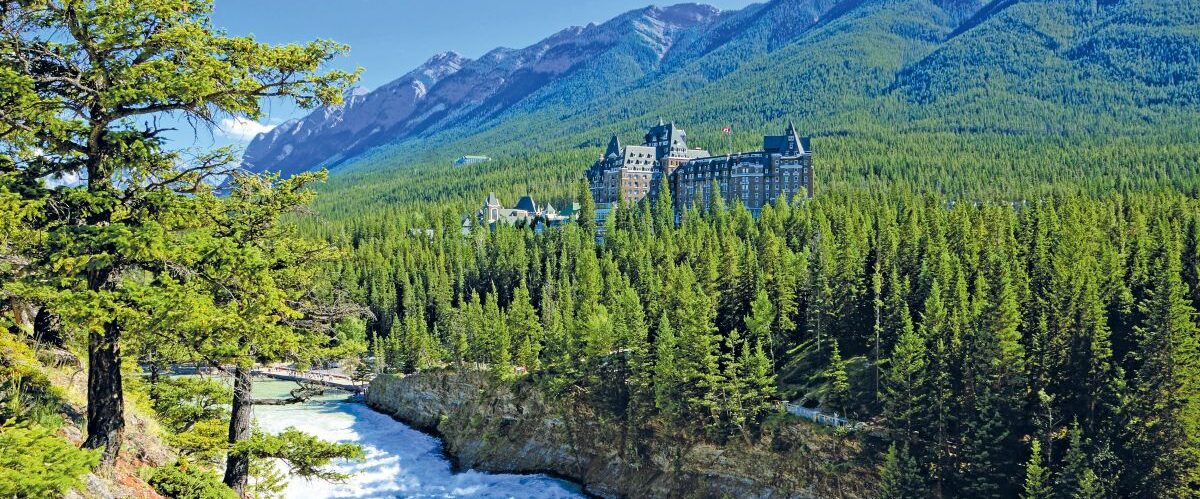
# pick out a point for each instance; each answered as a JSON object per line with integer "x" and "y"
{"x": 205, "y": 442}
{"x": 266, "y": 480}
{"x": 1037, "y": 477}
{"x": 184, "y": 480}
{"x": 181, "y": 402}
{"x": 1164, "y": 428}
{"x": 36, "y": 463}
{"x": 1005, "y": 230}
{"x": 26, "y": 394}
{"x": 1025, "y": 98}
{"x": 839, "y": 385}
{"x": 122, "y": 239}
{"x": 304, "y": 455}
{"x": 1013, "y": 299}
{"x": 900, "y": 475}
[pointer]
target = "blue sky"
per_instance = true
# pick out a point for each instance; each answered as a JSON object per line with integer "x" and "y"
{"x": 389, "y": 37}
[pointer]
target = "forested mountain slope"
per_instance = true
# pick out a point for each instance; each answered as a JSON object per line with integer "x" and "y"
{"x": 965, "y": 98}
{"x": 853, "y": 68}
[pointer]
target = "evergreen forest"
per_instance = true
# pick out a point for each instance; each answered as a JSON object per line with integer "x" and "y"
{"x": 996, "y": 285}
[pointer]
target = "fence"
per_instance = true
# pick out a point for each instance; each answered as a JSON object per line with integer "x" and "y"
{"x": 817, "y": 416}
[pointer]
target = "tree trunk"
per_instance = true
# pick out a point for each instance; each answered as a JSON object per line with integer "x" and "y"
{"x": 47, "y": 329}
{"x": 237, "y": 465}
{"x": 106, "y": 405}
{"x": 154, "y": 376}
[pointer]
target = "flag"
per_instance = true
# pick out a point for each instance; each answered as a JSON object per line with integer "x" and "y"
{"x": 727, "y": 130}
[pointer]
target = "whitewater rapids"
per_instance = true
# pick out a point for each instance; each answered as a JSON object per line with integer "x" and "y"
{"x": 400, "y": 461}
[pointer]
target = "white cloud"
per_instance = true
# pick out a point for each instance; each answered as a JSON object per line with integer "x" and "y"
{"x": 242, "y": 129}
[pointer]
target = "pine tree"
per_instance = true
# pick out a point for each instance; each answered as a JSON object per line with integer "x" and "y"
{"x": 1162, "y": 439}
{"x": 476, "y": 330}
{"x": 839, "y": 385}
{"x": 1037, "y": 477}
{"x": 377, "y": 349}
{"x": 987, "y": 473}
{"x": 524, "y": 326}
{"x": 761, "y": 318}
{"x": 877, "y": 328}
{"x": 415, "y": 344}
{"x": 697, "y": 361}
{"x": 666, "y": 372}
{"x": 758, "y": 380}
{"x": 1076, "y": 480}
{"x": 459, "y": 347}
{"x": 904, "y": 386}
{"x": 664, "y": 208}
{"x": 125, "y": 222}
{"x": 641, "y": 373}
{"x": 556, "y": 348}
{"x": 586, "y": 216}
{"x": 821, "y": 296}
{"x": 598, "y": 338}
{"x": 397, "y": 355}
{"x": 937, "y": 330}
{"x": 900, "y": 475}
{"x": 499, "y": 346}
{"x": 733, "y": 388}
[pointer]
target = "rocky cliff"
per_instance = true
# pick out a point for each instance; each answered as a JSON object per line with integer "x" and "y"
{"x": 451, "y": 90}
{"x": 516, "y": 428}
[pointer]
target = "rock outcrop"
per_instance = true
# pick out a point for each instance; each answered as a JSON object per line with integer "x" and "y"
{"x": 506, "y": 427}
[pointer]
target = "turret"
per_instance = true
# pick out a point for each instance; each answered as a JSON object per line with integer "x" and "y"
{"x": 614, "y": 147}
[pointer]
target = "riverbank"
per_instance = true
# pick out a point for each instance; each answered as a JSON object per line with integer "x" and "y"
{"x": 513, "y": 427}
{"x": 400, "y": 460}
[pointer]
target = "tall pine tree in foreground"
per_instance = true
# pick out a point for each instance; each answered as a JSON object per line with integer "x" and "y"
{"x": 85, "y": 81}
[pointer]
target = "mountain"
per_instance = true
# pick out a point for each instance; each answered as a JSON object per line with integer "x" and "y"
{"x": 837, "y": 68}
{"x": 363, "y": 119}
{"x": 452, "y": 90}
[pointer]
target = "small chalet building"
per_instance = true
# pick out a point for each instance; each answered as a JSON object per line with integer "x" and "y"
{"x": 526, "y": 213}
{"x": 470, "y": 160}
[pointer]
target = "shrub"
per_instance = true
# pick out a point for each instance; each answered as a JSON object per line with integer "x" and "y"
{"x": 36, "y": 463}
{"x": 184, "y": 481}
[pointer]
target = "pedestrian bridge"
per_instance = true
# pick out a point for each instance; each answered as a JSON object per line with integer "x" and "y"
{"x": 323, "y": 378}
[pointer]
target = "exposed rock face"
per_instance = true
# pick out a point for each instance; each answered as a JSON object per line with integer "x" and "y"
{"x": 514, "y": 428}
{"x": 324, "y": 135}
{"x": 449, "y": 89}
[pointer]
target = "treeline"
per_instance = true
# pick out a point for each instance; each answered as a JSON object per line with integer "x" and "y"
{"x": 967, "y": 166}
{"x": 1051, "y": 338}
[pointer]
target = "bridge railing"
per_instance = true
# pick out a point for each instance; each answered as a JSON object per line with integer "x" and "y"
{"x": 333, "y": 379}
{"x": 817, "y": 416}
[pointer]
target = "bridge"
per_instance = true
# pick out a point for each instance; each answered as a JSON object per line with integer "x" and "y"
{"x": 323, "y": 378}
{"x": 819, "y": 417}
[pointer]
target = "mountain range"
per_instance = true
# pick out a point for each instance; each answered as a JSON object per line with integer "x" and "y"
{"x": 1048, "y": 67}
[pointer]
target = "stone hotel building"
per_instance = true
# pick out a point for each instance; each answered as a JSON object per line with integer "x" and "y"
{"x": 782, "y": 168}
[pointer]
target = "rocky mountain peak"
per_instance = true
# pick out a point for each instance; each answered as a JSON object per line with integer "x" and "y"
{"x": 448, "y": 86}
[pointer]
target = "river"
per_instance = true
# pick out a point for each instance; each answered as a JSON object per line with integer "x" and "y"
{"x": 400, "y": 461}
